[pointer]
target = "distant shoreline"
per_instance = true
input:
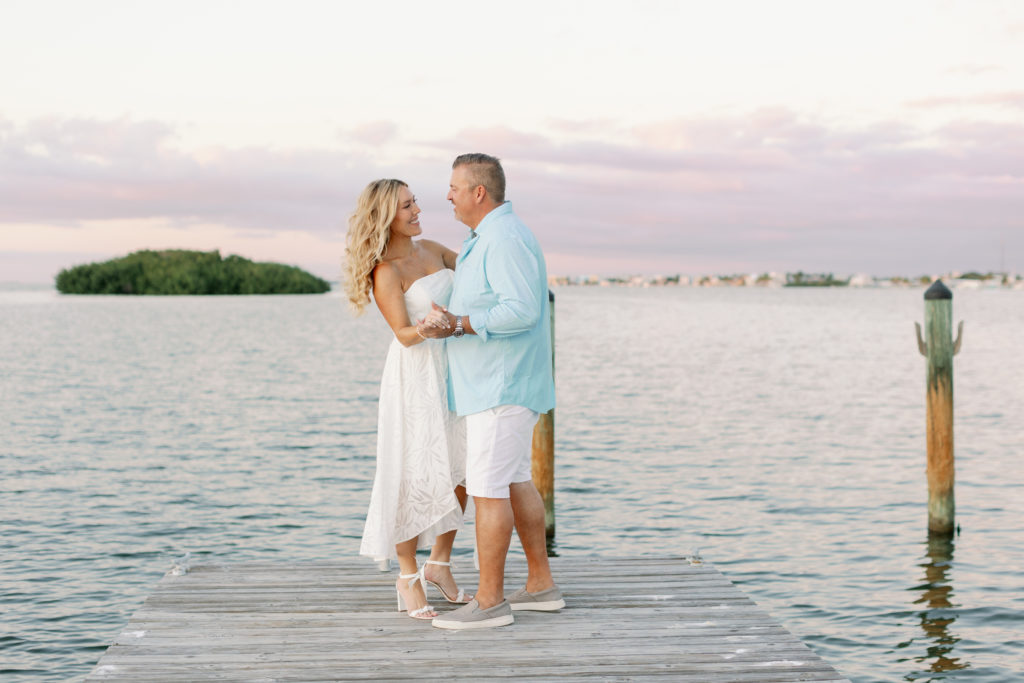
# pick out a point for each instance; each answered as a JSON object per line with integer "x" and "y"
{"x": 955, "y": 280}
{"x": 799, "y": 279}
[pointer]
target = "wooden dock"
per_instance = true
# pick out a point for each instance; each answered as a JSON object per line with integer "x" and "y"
{"x": 625, "y": 619}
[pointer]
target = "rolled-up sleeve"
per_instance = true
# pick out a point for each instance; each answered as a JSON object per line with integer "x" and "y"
{"x": 512, "y": 273}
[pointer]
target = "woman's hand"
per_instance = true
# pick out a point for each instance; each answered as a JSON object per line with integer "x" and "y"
{"x": 437, "y": 324}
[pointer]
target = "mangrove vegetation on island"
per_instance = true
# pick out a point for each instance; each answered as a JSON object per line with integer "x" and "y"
{"x": 802, "y": 279}
{"x": 178, "y": 271}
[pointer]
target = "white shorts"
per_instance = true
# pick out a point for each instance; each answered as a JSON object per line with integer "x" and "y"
{"x": 499, "y": 446}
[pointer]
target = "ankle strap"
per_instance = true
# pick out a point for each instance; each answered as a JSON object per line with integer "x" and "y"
{"x": 443, "y": 564}
{"x": 416, "y": 576}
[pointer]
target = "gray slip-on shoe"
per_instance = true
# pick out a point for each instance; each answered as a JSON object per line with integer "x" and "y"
{"x": 542, "y": 601}
{"x": 471, "y": 616}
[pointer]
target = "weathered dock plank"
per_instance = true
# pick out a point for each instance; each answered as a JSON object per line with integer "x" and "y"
{"x": 625, "y": 619}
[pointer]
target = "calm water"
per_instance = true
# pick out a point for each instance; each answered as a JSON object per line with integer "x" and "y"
{"x": 780, "y": 432}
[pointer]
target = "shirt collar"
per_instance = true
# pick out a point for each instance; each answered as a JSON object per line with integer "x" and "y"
{"x": 491, "y": 217}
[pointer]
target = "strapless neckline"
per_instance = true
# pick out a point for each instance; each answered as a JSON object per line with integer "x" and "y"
{"x": 418, "y": 280}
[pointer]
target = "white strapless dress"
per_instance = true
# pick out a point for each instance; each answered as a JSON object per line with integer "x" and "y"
{"x": 421, "y": 445}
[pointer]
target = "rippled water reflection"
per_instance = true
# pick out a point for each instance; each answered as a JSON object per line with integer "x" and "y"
{"x": 779, "y": 432}
{"x": 938, "y": 615}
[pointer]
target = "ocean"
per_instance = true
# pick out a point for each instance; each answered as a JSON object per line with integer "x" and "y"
{"x": 777, "y": 433}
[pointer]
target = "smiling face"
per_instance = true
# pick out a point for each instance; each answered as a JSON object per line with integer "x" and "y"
{"x": 407, "y": 218}
{"x": 462, "y": 195}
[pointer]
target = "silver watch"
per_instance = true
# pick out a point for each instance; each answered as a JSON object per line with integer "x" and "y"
{"x": 458, "y": 331}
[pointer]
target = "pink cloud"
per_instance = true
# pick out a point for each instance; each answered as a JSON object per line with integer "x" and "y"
{"x": 497, "y": 137}
{"x": 770, "y": 187}
{"x": 1012, "y": 99}
{"x": 973, "y": 69}
{"x": 373, "y": 133}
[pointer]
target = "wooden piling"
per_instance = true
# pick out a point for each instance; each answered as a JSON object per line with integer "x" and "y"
{"x": 543, "y": 456}
{"x": 939, "y": 349}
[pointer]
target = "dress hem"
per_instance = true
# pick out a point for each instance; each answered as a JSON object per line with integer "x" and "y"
{"x": 423, "y": 542}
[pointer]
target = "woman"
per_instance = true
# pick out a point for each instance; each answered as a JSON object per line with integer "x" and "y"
{"x": 418, "y": 496}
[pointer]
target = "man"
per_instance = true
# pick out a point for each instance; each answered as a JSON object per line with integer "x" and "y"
{"x": 500, "y": 378}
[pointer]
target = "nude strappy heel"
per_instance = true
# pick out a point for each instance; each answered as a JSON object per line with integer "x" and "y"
{"x": 420, "y": 613}
{"x": 459, "y": 599}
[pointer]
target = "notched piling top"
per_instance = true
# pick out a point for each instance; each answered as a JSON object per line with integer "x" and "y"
{"x": 937, "y": 291}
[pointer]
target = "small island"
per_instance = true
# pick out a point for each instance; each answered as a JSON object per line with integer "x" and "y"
{"x": 179, "y": 271}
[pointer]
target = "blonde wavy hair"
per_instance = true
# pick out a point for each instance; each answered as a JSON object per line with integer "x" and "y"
{"x": 369, "y": 229}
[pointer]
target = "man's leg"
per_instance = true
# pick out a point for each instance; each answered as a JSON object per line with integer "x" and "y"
{"x": 494, "y": 521}
{"x": 528, "y": 511}
{"x": 494, "y": 534}
{"x": 498, "y": 451}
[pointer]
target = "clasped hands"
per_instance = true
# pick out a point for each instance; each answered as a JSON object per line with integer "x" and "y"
{"x": 438, "y": 324}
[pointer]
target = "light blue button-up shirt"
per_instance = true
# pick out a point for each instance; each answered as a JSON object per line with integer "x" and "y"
{"x": 501, "y": 282}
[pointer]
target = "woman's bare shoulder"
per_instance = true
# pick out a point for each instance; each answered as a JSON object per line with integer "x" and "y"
{"x": 385, "y": 273}
{"x": 433, "y": 247}
{"x": 438, "y": 250}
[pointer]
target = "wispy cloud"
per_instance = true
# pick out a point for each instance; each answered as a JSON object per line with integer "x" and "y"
{"x": 766, "y": 187}
{"x": 71, "y": 170}
{"x": 1012, "y": 99}
{"x": 973, "y": 69}
{"x": 373, "y": 133}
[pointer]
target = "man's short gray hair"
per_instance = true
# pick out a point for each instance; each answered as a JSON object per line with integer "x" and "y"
{"x": 484, "y": 170}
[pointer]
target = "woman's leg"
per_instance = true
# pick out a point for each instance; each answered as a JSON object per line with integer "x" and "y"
{"x": 442, "y": 552}
{"x": 415, "y": 596}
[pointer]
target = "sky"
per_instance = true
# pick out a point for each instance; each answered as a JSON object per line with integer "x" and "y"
{"x": 647, "y": 137}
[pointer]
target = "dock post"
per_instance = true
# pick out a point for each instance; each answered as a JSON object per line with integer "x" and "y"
{"x": 543, "y": 455}
{"x": 939, "y": 349}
